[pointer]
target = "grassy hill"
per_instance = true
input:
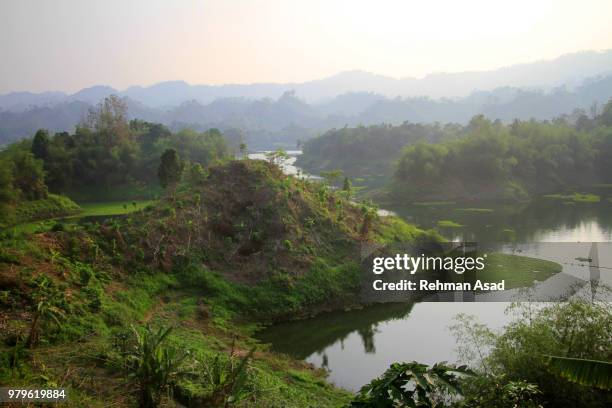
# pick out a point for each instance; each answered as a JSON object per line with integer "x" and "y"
{"x": 235, "y": 247}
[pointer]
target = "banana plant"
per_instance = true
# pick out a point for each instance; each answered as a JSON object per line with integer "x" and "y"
{"x": 590, "y": 373}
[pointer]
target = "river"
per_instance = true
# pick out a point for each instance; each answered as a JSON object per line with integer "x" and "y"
{"x": 356, "y": 346}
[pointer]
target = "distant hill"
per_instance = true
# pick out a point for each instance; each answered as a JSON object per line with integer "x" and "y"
{"x": 277, "y": 115}
{"x": 268, "y": 123}
{"x": 569, "y": 70}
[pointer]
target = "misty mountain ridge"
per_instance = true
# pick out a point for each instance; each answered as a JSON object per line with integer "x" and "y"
{"x": 266, "y": 121}
{"x": 570, "y": 70}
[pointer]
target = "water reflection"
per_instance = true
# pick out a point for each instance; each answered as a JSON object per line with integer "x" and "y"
{"x": 315, "y": 335}
{"x": 359, "y": 345}
{"x": 543, "y": 220}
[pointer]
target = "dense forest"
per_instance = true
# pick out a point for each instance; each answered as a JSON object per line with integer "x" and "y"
{"x": 368, "y": 152}
{"x": 516, "y": 160}
{"x": 430, "y": 162}
{"x": 108, "y": 157}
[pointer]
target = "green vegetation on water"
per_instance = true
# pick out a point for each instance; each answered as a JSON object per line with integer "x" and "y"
{"x": 517, "y": 271}
{"x": 433, "y": 203}
{"x": 449, "y": 224}
{"x": 475, "y": 210}
{"x": 575, "y": 197}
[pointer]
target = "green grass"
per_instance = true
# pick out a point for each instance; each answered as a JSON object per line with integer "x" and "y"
{"x": 517, "y": 271}
{"x": 85, "y": 210}
{"x": 475, "y": 210}
{"x": 575, "y": 197}
{"x": 28, "y": 211}
{"x": 161, "y": 299}
{"x": 449, "y": 224}
{"x": 113, "y": 208}
{"x": 432, "y": 203}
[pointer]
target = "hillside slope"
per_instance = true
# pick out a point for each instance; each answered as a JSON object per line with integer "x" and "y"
{"x": 236, "y": 246}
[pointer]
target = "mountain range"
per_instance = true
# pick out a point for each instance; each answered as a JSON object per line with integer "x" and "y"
{"x": 273, "y": 114}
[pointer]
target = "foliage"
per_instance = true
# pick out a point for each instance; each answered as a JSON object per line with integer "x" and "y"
{"x": 521, "y": 159}
{"x": 371, "y": 150}
{"x": 227, "y": 378}
{"x": 187, "y": 261}
{"x": 412, "y": 385}
{"x": 154, "y": 366}
{"x": 48, "y": 301}
{"x": 575, "y": 329}
{"x": 170, "y": 169}
{"x": 105, "y": 152}
{"x": 24, "y": 211}
{"x": 277, "y": 157}
{"x": 331, "y": 176}
{"x": 498, "y": 392}
{"x": 592, "y": 373}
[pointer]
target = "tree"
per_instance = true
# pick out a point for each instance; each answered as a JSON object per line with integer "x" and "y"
{"x": 109, "y": 120}
{"x": 40, "y": 145}
{"x": 370, "y": 212}
{"x": 243, "y": 149}
{"x": 331, "y": 176}
{"x": 347, "y": 187}
{"x": 606, "y": 114}
{"x": 48, "y": 302}
{"x": 170, "y": 169}
{"x": 577, "y": 330}
{"x": 7, "y": 192}
{"x": 277, "y": 157}
{"x": 28, "y": 176}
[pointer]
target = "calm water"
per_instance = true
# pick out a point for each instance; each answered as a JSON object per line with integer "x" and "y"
{"x": 359, "y": 345}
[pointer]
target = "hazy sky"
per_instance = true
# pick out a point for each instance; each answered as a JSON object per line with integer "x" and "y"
{"x": 70, "y": 44}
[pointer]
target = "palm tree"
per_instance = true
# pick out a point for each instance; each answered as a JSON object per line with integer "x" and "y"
{"x": 370, "y": 213}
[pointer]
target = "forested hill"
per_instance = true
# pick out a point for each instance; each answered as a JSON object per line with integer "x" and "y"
{"x": 424, "y": 163}
{"x": 268, "y": 123}
{"x": 107, "y": 158}
{"x": 368, "y": 152}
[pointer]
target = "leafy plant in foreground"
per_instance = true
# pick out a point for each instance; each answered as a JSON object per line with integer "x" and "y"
{"x": 591, "y": 373}
{"x": 47, "y": 300}
{"x": 154, "y": 366}
{"x": 228, "y": 379}
{"x": 412, "y": 385}
{"x": 497, "y": 391}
